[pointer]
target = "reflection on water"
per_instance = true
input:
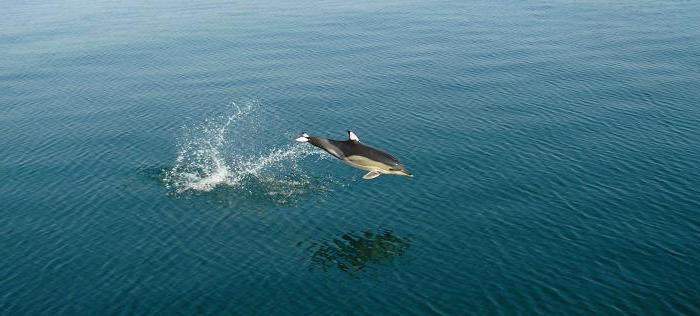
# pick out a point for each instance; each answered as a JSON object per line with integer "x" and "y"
{"x": 354, "y": 252}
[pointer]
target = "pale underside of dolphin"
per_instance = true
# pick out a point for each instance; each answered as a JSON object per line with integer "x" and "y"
{"x": 358, "y": 155}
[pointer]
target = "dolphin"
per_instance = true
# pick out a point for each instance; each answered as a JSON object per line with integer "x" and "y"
{"x": 358, "y": 155}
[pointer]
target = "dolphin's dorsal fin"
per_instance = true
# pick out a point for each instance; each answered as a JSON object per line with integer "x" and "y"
{"x": 352, "y": 137}
{"x": 371, "y": 175}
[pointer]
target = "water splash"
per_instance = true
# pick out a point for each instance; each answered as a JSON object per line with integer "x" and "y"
{"x": 218, "y": 154}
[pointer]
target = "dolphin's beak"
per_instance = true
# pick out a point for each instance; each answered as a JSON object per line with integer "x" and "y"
{"x": 406, "y": 173}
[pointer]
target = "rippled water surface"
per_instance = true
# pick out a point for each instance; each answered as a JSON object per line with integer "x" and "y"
{"x": 148, "y": 165}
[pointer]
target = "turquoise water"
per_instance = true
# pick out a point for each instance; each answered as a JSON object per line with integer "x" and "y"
{"x": 148, "y": 163}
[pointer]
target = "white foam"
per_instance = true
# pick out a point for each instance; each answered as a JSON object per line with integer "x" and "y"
{"x": 202, "y": 162}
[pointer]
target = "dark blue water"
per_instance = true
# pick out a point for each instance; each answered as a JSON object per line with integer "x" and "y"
{"x": 148, "y": 165}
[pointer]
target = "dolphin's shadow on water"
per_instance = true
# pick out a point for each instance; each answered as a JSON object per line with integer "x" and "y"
{"x": 358, "y": 252}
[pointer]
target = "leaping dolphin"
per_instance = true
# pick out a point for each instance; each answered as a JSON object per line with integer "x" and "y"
{"x": 358, "y": 155}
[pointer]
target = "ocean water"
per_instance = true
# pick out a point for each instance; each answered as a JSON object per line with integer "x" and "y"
{"x": 147, "y": 161}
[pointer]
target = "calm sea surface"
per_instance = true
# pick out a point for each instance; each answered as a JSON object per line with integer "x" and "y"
{"x": 147, "y": 161}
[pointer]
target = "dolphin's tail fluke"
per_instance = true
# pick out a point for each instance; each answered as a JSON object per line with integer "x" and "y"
{"x": 303, "y": 138}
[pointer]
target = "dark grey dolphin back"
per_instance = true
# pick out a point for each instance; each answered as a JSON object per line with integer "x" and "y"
{"x": 353, "y": 148}
{"x": 342, "y": 149}
{"x": 328, "y": 145}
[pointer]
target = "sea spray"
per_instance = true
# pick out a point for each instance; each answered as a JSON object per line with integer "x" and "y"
{"x": 205, "y": 158}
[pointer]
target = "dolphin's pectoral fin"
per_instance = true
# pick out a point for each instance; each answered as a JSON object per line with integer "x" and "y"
{"x": 371, "y": 175}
